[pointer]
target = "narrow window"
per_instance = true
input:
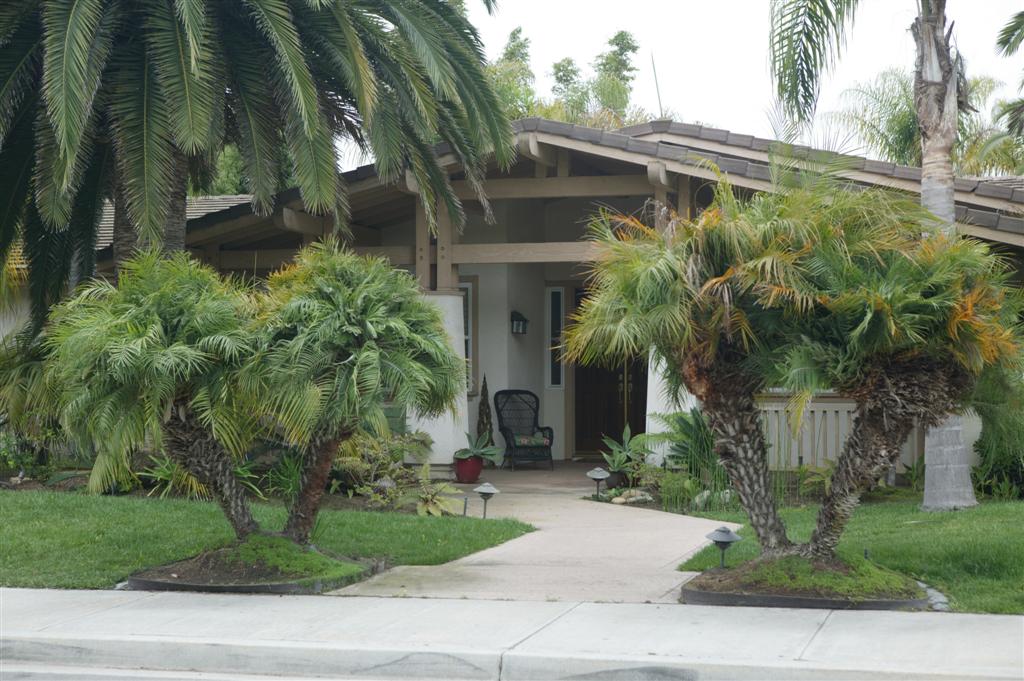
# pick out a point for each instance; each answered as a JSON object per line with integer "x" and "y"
{"x": 468, "y": 307}
{"x": 554, "y": 322}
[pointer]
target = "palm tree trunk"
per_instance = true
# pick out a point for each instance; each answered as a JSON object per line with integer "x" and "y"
{"x": 891, "y": 400}
{"x": 315, "y": 471}
{"x": 727, "y": 398}
{"x": 938, "y": 98}
{"x": 125, "y": 239}
{"x": 174, "y": 227}
{"x": 192, "y": 447}
{"x": 872, "y": 447}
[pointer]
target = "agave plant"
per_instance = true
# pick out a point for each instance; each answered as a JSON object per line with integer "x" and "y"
{"x": 341, "y": 336}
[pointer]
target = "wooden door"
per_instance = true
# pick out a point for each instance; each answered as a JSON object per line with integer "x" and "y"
{"x": 606, "y": 400}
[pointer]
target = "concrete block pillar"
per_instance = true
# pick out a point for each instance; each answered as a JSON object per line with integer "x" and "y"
{"x": 659, "y": 401}
{"x": 947, "y": 468}
{"x": 448, "y": 430}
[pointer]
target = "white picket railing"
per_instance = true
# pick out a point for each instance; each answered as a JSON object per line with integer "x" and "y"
{"x": 826, "y": 423}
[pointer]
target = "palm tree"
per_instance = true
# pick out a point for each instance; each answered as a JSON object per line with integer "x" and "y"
{"x": 342, "y": 335}
{"x": 905, "y": 334}
{"x": 806, "y": 38}
{"x": 882, "y": 113}
{"x": 123, "y": 101}
{"x": 1009, "y": 41}
{"x": 674, "y": 290}
{"x": 153, "y": 363}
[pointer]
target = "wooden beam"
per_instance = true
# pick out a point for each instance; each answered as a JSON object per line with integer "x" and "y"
{"x": 684, "y": 197}
{"x": 543, "y": 154}
{"x": 224, "y": 230}
{"x": 564, "y": 163}
{"x": 398, "y": 255}
{"x": 423, "y": 256}
{"x": 267, "y": 259}
{"x": 292, "y": 220}
{"x": 559, "y": 187}
{"x": 990, "y": 234}
{"x": 546, "y": 251}
{"x": 408, "y": 183}
{"x": 657, "y": 175}
{"x": 273, "y": 258}
{"x": 447, "y": 275}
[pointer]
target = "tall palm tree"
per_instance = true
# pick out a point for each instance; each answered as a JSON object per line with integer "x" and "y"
{"x": 883, "y": 115}
{"x": 153, "y": 361}
{"x": 342, "y": 335}
{"x": 807, "y": 37}
{"x": 103, "y": 100}
{"x": 1009, "y": 42}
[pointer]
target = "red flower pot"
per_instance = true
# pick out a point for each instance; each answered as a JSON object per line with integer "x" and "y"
{"x": 468, "y": 470}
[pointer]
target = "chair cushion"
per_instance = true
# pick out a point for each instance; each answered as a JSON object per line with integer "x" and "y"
{"x": 532, "y": 441}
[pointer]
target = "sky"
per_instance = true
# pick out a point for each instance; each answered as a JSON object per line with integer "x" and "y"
{"x": 712, "y": 57}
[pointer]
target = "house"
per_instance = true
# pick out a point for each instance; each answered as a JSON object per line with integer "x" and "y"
{"x": 530, "y": 263}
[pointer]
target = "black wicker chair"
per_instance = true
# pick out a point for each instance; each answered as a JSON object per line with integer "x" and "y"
{"x": 525, "y": 439}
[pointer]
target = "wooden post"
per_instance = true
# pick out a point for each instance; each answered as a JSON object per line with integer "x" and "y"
{"x": 447, "y": 274}
{"x": 684, "y": 197}
{"x": 422, "y": 247}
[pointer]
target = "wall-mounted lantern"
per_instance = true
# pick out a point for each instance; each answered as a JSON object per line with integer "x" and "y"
{"x": 519, "y": 323}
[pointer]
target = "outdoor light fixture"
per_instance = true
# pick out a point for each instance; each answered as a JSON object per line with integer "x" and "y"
{"x": 486, "y": 491}
{"x": 598, "y": 475}
{"x": 724, "y": 538}
{"x": 519, "y": 323}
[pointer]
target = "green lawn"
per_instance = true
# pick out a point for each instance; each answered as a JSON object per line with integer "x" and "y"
{"x": 975, "y": 557}
{"x": 71, "y": 540}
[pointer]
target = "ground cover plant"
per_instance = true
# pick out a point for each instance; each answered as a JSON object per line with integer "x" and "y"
{"x": 100, "y": 540}
{"x": 975, "y": 556}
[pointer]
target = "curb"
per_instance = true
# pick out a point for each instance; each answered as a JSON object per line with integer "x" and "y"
{"x": 158, "y": 657}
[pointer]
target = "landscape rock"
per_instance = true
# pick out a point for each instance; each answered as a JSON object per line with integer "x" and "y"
{"x": 618, "y": 500}
{"x": 701, "y": 500}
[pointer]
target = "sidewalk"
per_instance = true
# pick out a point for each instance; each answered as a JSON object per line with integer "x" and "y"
{"x": 105, "y": 635}
{"x": 582, "y": 551}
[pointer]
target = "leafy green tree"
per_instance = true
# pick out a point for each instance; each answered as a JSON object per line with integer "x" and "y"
{"x": 512, "y": 77}
{"x": 120, "y": 99}
{"x": 883, "y": 114}
{"x": 152, "y": 362}
{"x": 617, "y": 62}
{"x": 341, "y": 335}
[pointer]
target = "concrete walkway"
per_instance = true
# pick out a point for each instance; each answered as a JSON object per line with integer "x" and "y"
{"x": 52, "y": 635}
{"x": 581, "y": 551}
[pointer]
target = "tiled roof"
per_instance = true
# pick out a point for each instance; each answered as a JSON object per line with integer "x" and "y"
{"x": 1010, "y": 189}
{"x": 196, "y": 207}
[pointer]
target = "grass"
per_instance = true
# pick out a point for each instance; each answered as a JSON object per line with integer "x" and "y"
{"x": 857, "y": 579}
{"x": 289, "y": 559}
{"x": 974, "y": 556}
{"x": 72, "y": 540}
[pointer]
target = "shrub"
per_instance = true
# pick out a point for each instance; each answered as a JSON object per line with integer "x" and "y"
{"x": 372, "y": 466}
{"x": 999, "y": 401}
{"x": 677, "y": 491}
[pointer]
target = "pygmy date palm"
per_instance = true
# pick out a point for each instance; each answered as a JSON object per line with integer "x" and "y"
{"x": 152, "y": 362}
{"x": 904, "y": 334}
{"x": 123, "y": 100}
{"x": 342, "y": 335}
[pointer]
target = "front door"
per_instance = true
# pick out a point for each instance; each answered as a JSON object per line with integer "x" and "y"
{"x": 606, "y": 400}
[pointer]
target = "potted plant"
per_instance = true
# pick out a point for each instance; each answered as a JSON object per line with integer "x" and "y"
{"x": 469, "y": 461}
{"x": 625, "y": 459}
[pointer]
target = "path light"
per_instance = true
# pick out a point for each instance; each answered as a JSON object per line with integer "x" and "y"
{"x": 486, "y": 491}
{"x": 598, "y": 475}
{"x": 724, "y": 538}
